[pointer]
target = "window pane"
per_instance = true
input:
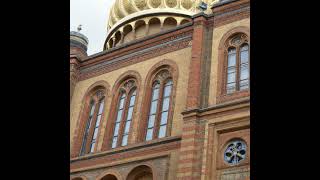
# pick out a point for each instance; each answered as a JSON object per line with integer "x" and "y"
{"x": 244, "y": 69}
{"x": 244, "y": 57}
{"x": 95, "y": 134}
{"x": 169, "y": 82}
{"x": 231, "y": 88}
{"x": 119, "y": 116}
{"x": 127, "y": 128}
{"x": 231, "y": 77}
{"x": 166, "y": 103}
{"x": 167, "y": 91}
{"x": 130, "y": 112}
{"x": 231, "y": 69}
{"x": 155, "y": 94}
{"x": 98, "y": 121}
{"x": 162, "y": 131}
{"x": 231, "y": 59}
{"x": 101, "y": 107}
{"x": 114, "y": 142}
{"x": 124, "y": 140}
{"x": 132, "y": 100}
{"x": 244, "y": 84}
{"x": 121, "y": 103}
{"x": 151, "y": 121}
{"x": 92, "y": 110}
{"x": 153, "y": 107}
{"x": 164, "y": 118}
{"x": 149, "y": 134}
{"x": 92, "y": 147}
{"x": 245, "y": 47}
{"x": 116, "y": 129}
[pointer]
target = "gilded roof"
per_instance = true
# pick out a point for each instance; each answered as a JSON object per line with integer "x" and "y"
{"x": 124, "y": 8}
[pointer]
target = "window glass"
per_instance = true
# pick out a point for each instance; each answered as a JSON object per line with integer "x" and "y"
{"x": 167, "y": 91}
{"x": 101, "y": 107}
{"x": 231, "y": 77}
{"x": 124, "y": 140}
{"x": 149, "y": 134}
{"x": 153, "y": 107}
{"x": 98, "y": 121}
{"x": 164, "y": 118}
{"x": 114, "y": 142}
{"x": 119, "y": 116}
{"x": 127, "y": 127}
{"x": 92, "y": 147}
{"x": 151, "y": 121}
{"x": 130, "y": 110}
{"x": 231, "y": 88}
{"x": 232, "y": 57}
{"x": 116, "y": 129}
{"x": 162, "y": 131}
{"x": 155, "y": 94}
{"x": 244, "y": 84}
{"x": 166, "y": 102}
{"x": 95, "y": 134}
{"x": 132, "y": 100}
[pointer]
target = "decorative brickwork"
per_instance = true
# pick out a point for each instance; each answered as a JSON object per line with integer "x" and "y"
{"x": 202, "y": 119}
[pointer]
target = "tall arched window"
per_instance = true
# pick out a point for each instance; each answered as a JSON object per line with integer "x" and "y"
{"x": 237, "y": 69}
{"x": 124, "y": 113}
{"x": 91, "y": 131}
{"x": 160, "y": 108}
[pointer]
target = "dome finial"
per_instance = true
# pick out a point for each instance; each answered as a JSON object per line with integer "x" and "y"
{"x": 79, "y": 27}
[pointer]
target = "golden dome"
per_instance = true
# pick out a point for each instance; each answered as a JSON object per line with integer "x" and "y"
{"x": 123, "y": 12}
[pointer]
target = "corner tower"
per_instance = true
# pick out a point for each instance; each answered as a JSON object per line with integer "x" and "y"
{"x": 78, "y": 52}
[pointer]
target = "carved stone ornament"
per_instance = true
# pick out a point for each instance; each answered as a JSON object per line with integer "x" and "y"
{"x": 237, "y": 40}
{"x": 163, "y": 75}
{"x": 127, "y": 85}
{"x": 99, "y": 94}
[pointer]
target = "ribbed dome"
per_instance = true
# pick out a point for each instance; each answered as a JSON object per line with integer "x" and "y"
{"x": 123, "y": 8}
{"x": 124, "y": 12}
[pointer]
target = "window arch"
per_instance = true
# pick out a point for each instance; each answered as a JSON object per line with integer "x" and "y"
{"x": 142, "y": 172}
{"x": 160, "y": 106}
{"x": 94, "y": 113}
{"x": 124, "y": 113}
{"x": 237, "y": 68}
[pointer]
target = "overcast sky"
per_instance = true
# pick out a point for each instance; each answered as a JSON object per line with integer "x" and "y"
{"x": 93, "y": 15}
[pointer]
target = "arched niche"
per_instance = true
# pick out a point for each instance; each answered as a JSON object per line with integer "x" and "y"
{"x": 109, "y": 177}
{"x": 128, "y": 33}
{"x": 142, "y": 172}
{"x": 154, "y": 26}
{"x": 169, "y": 23}
{"x": 140, "y": 28}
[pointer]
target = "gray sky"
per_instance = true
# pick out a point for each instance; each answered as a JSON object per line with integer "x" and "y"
{"x": 93, "y": 15}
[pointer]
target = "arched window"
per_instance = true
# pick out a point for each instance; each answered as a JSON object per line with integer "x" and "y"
{"x": 237, "y": 68}
{"x": 93, "y": 122}
{"x": 159, "y": 111}
{"x": 124, "y": 113}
